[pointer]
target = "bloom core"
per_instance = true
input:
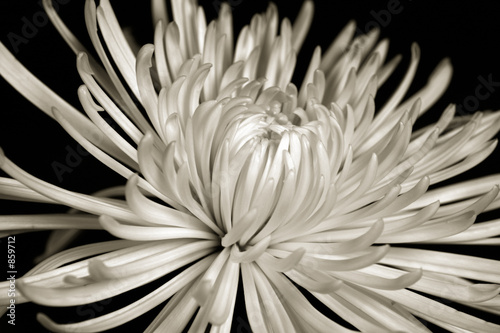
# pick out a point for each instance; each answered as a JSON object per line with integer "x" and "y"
{"x": 237, "y": 182}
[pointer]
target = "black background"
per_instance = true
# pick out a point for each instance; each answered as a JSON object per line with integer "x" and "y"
{"x": 467, "y": 32}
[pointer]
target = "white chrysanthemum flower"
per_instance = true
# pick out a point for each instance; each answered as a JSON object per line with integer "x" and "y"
{"x": 235, "y": 175}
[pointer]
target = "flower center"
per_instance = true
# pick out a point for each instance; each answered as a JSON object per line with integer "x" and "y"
{"x": 276, "y": 117}
{"x": 277, "y": 179}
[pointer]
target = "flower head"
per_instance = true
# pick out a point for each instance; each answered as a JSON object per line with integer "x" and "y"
{"x": 234, "y": 175}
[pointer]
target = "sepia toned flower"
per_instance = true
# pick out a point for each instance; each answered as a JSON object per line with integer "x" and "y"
{"x": 234, "y": 176}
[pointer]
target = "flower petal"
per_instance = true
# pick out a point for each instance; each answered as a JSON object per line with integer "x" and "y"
{"x": 134, "y": 309}
{"x": 134, "y": 232}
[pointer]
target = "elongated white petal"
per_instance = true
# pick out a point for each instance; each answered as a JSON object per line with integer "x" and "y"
{"x": 132, "y": 310}
{"x": 49, "y": 221}
{"x": 12, "y": 189}
{"x": 441, "y": 262}
{"x": 150, "y": 233}
{"x": 159, "y": 11}
{"x": 403, "y": 281}
{"x": 88, "y": 293}
{"x": 300, "y": 307}
{"x": 86, "y": 73}
{"x": 478, "y": 231}
{"x": 450, "y": 226}
{"x": 78, "y": 48}
{"x": 129, "y": 106}
{"x": 176, "y": 314}
{"x": 428, "y": 307}
{"x": 44, "y": 98}
{"x": 80, "y": 201}
{"x": 320, "y": 262}
{"x": 392, "y": 318}
{"x": 168, "y": 258}
{"x": 301, "y": 26}
{"x": 63, "y": 258}
{"x": 230, "y": 168}
{"x": 156, "y": 213}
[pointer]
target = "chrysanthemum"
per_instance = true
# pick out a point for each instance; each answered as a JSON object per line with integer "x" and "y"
{"x": 234, "y": 175}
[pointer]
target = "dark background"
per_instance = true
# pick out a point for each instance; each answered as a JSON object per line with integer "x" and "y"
{"x": 466, "y": 31}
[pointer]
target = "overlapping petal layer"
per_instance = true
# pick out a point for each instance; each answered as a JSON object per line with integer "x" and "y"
{"x": 231, "y": 172}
